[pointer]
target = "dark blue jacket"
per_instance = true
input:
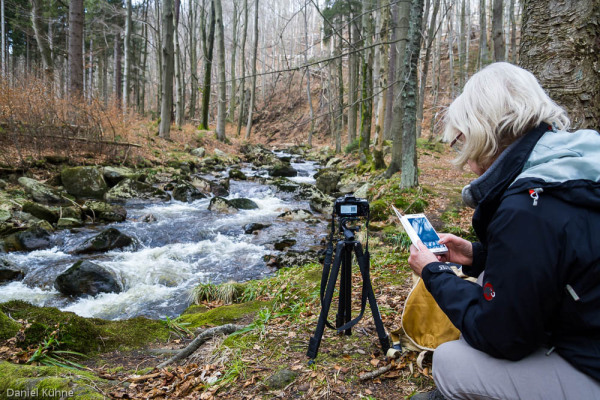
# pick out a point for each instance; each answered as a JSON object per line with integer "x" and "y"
{"x": 541, "y": 257}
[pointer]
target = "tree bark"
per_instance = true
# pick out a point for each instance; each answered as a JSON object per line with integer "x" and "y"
{"x": 117, "y": 73}
{"x": 42, "y": 43}
{"x": 308, "y": 94}
{"x": 232, "y": 64}
{"x": 560, "y": 45}
{"x": 243, "y": 80}
{"x": 254, "y": 56}
{"x": 3, "y": 68}
{"x": 483, "y": 49}
{"x": 378, "y": 160}
{"x": 498, "y": 30}
{"x": 168, "y": 61}
{"x": 410, "y": 176}
{"x": 367, "y": 82}
{"x": 431, "y": 32}
{"x": 208, "y": 60}
{"x": 193, "y": 43}
{"x": 179, "y": 73}
{"x": 127, "y": 54}
{"x": 222, "y": 105}
{"x": 75, "y": 49}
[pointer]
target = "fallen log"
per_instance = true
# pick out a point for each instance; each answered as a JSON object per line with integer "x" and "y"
{"x": 203, "y": 337}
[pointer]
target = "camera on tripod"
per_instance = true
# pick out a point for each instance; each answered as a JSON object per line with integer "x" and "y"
{"x": 350, "y": 206}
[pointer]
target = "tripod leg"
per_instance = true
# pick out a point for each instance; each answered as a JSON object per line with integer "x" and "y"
{"x": 344, "y": 314}
{"x": 364, "y": 263}
{"x": 315, "y": 340}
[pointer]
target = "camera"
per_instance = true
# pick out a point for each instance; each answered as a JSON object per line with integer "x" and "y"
{"x": 350, "y": 206}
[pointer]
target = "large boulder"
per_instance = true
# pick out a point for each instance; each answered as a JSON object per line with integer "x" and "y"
{"x": 187, "y": 192}
{"x": 243, "y": 204}
{"x": 282, "y": 169}
{"x": 297, "y": 215}
{"x": 87, "y": 278}
{"x": 106, "y": 240}
{"x": 40, "y": 192}
{"x": 221, "y": 205}
{"x": 129, "y": 189}
{"x": 254, "y": 227}
{"x": 101, "y": 211}
{"x": 327, "y": 180}
{"x": 69, "y": 223}
{"x": 318, "y": 201}
{"x": 36, "y": 237}
{"x": 84, "y": 182}
{"x": 258, "y": 155}
{"x": 114, "y": 175}
{"x": 9, "y": 272}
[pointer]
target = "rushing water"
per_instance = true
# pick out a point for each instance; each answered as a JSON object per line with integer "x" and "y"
{"x": 185, "y": 246}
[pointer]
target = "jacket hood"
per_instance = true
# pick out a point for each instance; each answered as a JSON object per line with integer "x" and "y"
{"x": 565, "y": 164}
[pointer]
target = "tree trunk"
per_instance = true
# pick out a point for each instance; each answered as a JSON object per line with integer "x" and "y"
{"x": 39, "y": 37}
{"x": 393, "y": 67}
{"x": 127, "y": 54}
{"x": 498, "y": 30}
{"x": 208, "y": 59}
{"x": 483, "y": 49}
{"x": 179, "y": 79}
{"x": 2, "y": 40}
{"x": 378, "y": 160}
{"x": 404, "y": 9}
{"x": 513, "y": 33}
{"x": 352, "y": 78}
{"x": 340, "y": 80}
{"x": 222, "y": 105}
{"x": 168, "y": 61}
{"x": 117, "y": 74}
{"x": 410, "y": 177}
{"x": 431, "y": 32}
{"x": 308, "y": 94}
{"x": 560, "y": 45}
{"x": 75, "y": 49}
{"x": 253, "y": 92}
{"x": 193, "y": 59}
{"x": 234, "y": 39}
{"x": 367, "y": 82}
{"x": 243, "y": 80}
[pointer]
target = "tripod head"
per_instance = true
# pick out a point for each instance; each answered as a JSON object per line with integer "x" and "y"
{"x": 349, "y": 231}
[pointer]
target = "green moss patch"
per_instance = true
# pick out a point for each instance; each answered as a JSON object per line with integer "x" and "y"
{"x": 198, "y": 316}
{"x": 8, "y": 327}
{"x": 25, "y": 381}
{"x": 85, "y": 335}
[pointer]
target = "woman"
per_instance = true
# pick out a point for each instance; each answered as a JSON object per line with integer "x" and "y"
{"x": 531, "y": 328}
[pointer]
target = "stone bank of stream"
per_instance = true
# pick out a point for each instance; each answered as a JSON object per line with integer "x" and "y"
{"x": 183, "y": 245}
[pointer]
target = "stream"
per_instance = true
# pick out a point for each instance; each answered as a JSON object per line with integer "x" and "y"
{"x": 186, "y": 245}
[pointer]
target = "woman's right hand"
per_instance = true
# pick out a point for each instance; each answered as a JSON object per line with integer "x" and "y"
{"x": 460, "y": 251}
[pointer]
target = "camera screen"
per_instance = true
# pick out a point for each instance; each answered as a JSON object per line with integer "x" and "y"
{"x": 348, "y": 209}
{"x": 426, "y": 233}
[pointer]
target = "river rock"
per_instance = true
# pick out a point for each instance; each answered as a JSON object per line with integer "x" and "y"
{"x": 187, "y": 192}
{"x": 106, "y": 240}
{"x": 40, "y": 192}
{"x": 284, "y": 185}
{"x": 129, "y": 189}
{"x": 319, "y": 201}
{"x": 84, "y": 182}
{"x": 102, "y": 211}
{"x": 114, "y": 175}
{"x": 334, "y": 161}
{"x": 296, "y": 215}
{"x": 282, "y": 169}
{"x": 87, "y": 278}
{"x": 69, "y": 223}
{"x": 327, "y": 180}
{"x": 220, "y": 153}
{"x": 9, "y": 272}
{"x": 35, "y": 238}
{"x": 284, "y": 243}
{"x": 281, "y": 379}
{"x": 235, "y": 173}
{"x": 254, "y": 227}
{"x": 258, "y": 155}
{"x": 363, "y": 191}
{"x": 5, "y": 215}
{"x": 291, "y": 258}
{"x": 220, "y": 187}
{"x": 41, "y": 211}
{"x": 219, "y": 204}
{"x": 199, "y": 152}
{"x": 243, "y": 204}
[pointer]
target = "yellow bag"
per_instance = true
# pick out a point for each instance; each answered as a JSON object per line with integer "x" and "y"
{"x": 423, "y": 321}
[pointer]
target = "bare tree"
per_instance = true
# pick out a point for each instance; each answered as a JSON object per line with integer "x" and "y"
{"x": 42, "y": 43}
{"x": 498, "y": 30}
{"x": 483, "y": 46}
{"x": 127, "y": 53}
{"x": 253, "y": 90}
{"x": 168, "y": 61}
{"x": 208, "y": 45}
{"x": 559, "y": 44}
{"x": 308, "y": 95}
{"x": 222, "y": 102}
{"x": 243, "y": 80}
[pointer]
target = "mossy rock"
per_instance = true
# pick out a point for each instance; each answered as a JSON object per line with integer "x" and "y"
{"x": 197, "y": 316}
{"x": 8, "y": 327}
{"x": 243, "y": 204}
{"x": 85, "y": 335}
{"x": 235, "y": 173}
{"x": 40, "y": 211}
{"x": 101, "y": 211}
{"x": 379, "y": 210}
{"x": 84, "y": 182}
{"x": 68, "y": 223}
{"x": 48, "y": 383}
{"x": 40, "y": 192}
{"x": 129, "y": 189}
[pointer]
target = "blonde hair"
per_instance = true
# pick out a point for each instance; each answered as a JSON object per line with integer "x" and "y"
{"x": 499, "y": 104}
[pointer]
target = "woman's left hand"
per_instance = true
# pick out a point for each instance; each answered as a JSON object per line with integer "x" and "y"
{"x": 419, "y": 259}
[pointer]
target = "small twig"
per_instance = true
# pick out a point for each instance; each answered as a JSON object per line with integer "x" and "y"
{"x": 376, "y": 373}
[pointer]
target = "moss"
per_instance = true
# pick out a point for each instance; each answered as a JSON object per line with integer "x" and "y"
{"x": 85, "y": 335}
{"x": 26, "y": 381}
{"x": 380, "y": 210}
{"x": 8, "y": 327}
{"x": 198, "y": 316}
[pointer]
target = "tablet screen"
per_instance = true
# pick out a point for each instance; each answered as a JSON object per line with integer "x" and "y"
{"x": 426, "y": 233}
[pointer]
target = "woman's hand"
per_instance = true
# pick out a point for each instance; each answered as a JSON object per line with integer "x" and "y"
{"x": 460, "y": 251}
{"x": 420, "y": 257}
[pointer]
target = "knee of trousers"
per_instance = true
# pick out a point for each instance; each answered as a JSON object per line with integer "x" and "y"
{"x": 450, "y": 366}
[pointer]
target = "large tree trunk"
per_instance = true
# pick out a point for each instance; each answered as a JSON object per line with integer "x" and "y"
{"x": 483, "y": 49}
{"x": 378, "y": 160}
{"x": 353, "y": 33}
{"x": 366, "y": 116}
{"x": 208, "y": 59}
{"x": 179, "y": 73}
{"x": 193, "y": 59}
{"x": 2, "y": 40}
{"x": 75, "y": 48}
{"x": 410, "y": 177}
{"x": 117, "y": 73}
{"x": 428, "y": 47}
{"x": 168, "y": 61}
{"x": 127, "y": 54}
{"x": 222, "y": 105}
{"x": 232, "y": 63}
{"x": 243, "y": 80}
{"x": 560, "y": 45}
{"x": 253, "y": 90}
{"x": 308, "y": 94}
{"x": 39, "y": 37}
{"x": 404, "y": 9}
{"x": 498, "y": 30}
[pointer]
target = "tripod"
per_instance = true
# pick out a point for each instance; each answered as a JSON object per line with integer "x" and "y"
{"x": 343, "y": 259}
